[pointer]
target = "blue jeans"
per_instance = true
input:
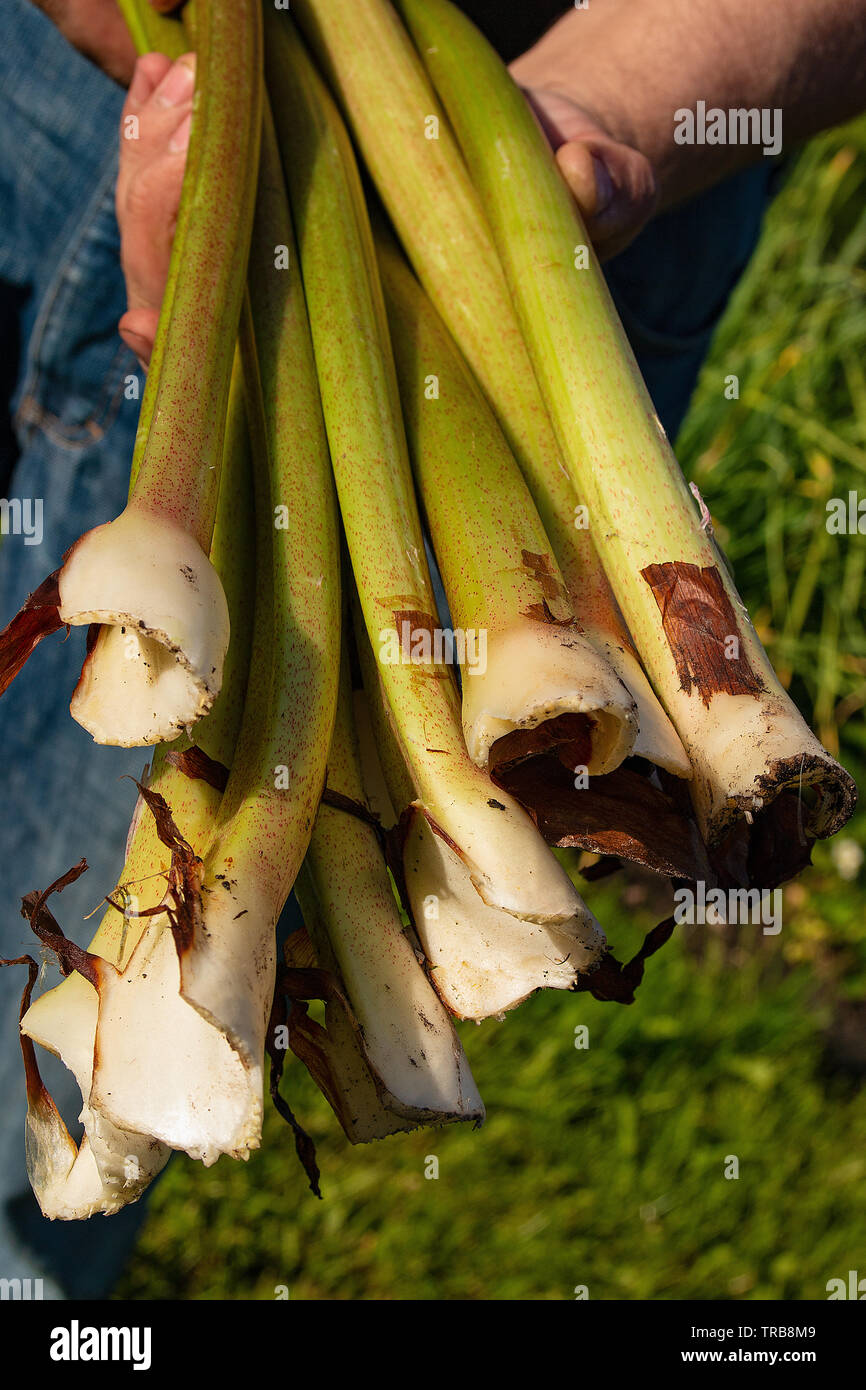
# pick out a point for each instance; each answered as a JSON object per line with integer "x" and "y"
{"x": 62, "y": 797}
{"x": 63, "y": 295}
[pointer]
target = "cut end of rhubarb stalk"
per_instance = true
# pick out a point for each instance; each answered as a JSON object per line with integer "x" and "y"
{"x": 527, "y": 686}
{"x": 69, "y": 1182}
{"x": 181, "y": 1030}
{"x": 764, "y": 748}
{"x": 156, "y": 664}
{"x": 107, "y": 1171}
{"x": 383, "y": 1017}
{"x": 383, "y": 1070}
{"x": 657, "y": 739}
{"x": 164, "y": 1069}
{"x": 109, "y": 1168}
{"x": 482, "y": 958}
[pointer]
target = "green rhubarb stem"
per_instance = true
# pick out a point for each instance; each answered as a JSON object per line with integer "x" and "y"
{"x": 500, "y": 855}
{"x": 211, "y": 988}
{"x": 411, "y": 153}
{"x": 523, "y": 659}
{"x": 378, "y": 506}
{"x": 176, "y": 464}
{"x": 144, "y": 579}
{"x": 413, "y": 1069}
{"x": 743, "y": 735}
{"x": 153, "y": 32}
{"x": 299, "y": 528}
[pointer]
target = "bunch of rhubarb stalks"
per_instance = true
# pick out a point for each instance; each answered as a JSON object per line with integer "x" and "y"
{"x": 384, "y": 339}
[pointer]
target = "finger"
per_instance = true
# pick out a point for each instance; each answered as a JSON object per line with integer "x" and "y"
{"x": 583, "y": 174}
{"x": 147, "y": 220}
{"x": 157, "y": 102}
{"x": 180, "y": 139}
{"x": 137, "y": 328}
{"x": 614, "y": 187}
{"x": 150, "y": 69}
{"x": 176, "y": 87}
{"x": 157, "y": 124}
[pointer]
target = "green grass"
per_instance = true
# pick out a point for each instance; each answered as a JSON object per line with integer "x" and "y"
{"x": 766, "y": 464}
{"x": 605, "y": 1167}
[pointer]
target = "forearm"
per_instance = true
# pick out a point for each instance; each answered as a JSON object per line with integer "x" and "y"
{"x": 634, "y": 64}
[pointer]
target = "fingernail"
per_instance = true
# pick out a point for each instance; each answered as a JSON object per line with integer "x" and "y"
{"x": 604, "y": 189}
{"x": 138, "y": 345}
{"x": 177, "y": 85}
{"x": 180, "y": 139}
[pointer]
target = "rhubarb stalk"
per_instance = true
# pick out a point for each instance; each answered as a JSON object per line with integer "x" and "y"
{"x": 416, "y": 165}
{"x": 112, "y": 1166}
{"x": 219, "y": 965}
{"x": 531, "y": 683}
{"x": 390, "y": 1059}
{"x": 752, "y": 753}
{"x": 155, "y": 663}
{"x": 493, "y": 842}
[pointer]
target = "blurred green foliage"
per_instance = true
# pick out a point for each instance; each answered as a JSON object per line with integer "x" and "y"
{"x": 605, "y": 1166}
{"x": 602, "y": 1167}
{"x": 767, "y": 463}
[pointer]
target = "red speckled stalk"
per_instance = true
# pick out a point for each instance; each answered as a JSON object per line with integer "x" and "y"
{"x": 504, "y": 587}
{"x": 177, "y": 468}
{"x": 746, "y": 740}
{"x": 152, "y": 32}
{"x": 493, "y": 841}
{"x": 360, "y": 396}
{"x": 224, "y": 945}
{"x": 299, "y": 532}
{"x": 390, "y": 104}
{"x": 267, "y": 814}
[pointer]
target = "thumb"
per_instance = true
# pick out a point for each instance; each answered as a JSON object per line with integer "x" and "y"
{"x": 614, "y": 187}
{"x": 137, "y": 328}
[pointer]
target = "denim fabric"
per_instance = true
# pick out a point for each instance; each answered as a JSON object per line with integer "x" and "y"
{"x": 62, "y": 796}
{"x": 672, "y": 283}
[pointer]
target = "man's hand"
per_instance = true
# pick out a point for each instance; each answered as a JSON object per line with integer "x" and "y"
{"x": 97, "y": 29}
{"x": 154, "y": 134}
{"x": 614, "y": 185}
{"x": 609, "y": 82}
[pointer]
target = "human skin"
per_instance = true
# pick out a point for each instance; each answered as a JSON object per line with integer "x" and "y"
{"x": 97, "y": 29}
{"x": 605, "y": 83}
{"x": 607, "y": 80}
{"x": 154, "y": 135}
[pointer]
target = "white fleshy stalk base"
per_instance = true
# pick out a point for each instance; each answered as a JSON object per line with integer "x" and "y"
{"x": 745, "y": 750}
{"x": 657, "y": 739}
{"x": 180, "y": 1042}
{"x": 111, "y": 1167}
{"x": 157, "y": 663}
{"x": 535, "y": 674}
{"x": 484, "y": 959}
